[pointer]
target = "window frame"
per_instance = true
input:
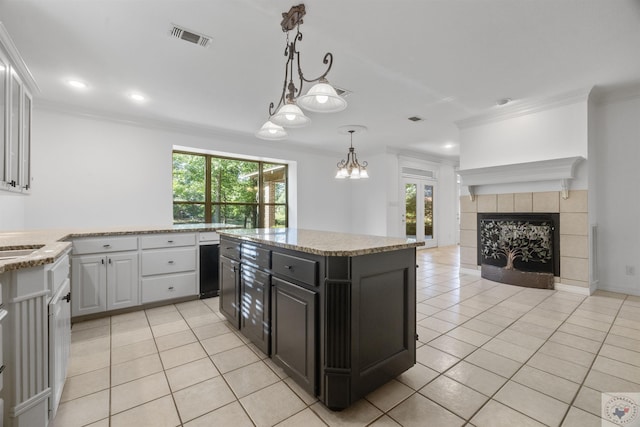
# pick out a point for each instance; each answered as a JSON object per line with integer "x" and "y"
{"x": 209, "y": 204}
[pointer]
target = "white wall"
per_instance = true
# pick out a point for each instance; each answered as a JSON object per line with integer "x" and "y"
{"x": 617, "y": 137}
{"x": 549, "y": 134}
{"x": 12, "y": 211}
{"x": 90, "y": 172}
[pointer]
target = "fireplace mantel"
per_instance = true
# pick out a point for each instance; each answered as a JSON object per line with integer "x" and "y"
{"x": 561, "y": 170}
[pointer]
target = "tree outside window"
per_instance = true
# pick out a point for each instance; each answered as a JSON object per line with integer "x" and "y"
{"x": 240, "y": 192}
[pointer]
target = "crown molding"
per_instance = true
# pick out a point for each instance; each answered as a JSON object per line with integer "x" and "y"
{"x": 421, "y": 156}
{"x": 16, "y": 60}
{"x": 524, "y": 108}
{"x": 604, "y": 95}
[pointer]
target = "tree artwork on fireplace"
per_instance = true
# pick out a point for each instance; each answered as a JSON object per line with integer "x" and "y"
{"x": 513, "y": 240}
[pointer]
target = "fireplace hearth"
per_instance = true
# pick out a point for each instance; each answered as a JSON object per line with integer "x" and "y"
{"x": 519, "y": 248}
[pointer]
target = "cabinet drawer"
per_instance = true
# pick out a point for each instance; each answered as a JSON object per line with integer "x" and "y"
{"x": 164, "y": 261}
{"x": 252, "y": 254}
{"x": 230, "y": 249}
{"x": 166, "y": 287}
{"x": 301, "y": 269}
{"x": 104, "y": 245}
{"x": 58, "y": 273}
{"x": 169, "y": 240}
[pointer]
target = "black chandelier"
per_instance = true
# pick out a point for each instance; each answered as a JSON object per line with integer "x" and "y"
{"x": 351, "y": 168}
{"x": 321, "y": 97}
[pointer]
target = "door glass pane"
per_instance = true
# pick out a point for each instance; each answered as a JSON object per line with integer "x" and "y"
{"x": 14, "y": 143}
{"x": 189, "y": 172}
{"x": 275, "y": 216}
{"x": 3, "y": 125}
{"x": 428, "y": 212}
{"x": 410, "y": 191}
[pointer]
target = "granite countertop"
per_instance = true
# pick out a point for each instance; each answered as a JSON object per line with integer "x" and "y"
{"x": 50, "y": 244}
{"x": 325, "y": 243}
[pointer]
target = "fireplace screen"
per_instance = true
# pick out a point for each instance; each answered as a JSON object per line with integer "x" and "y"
{"x": 524, "y": 242}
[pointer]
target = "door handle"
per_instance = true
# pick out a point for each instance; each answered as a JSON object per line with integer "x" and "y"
{"x": 67, "y": 297}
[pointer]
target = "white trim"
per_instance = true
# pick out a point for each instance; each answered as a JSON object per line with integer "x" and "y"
{"x": 561, "y": 170}
{"x": 572, "y": 288}
{"x": 620, "y": 290}
{"x": 16, "y": 59}
{"x": 524, "y": 108}
{"x": 469, "y": 271}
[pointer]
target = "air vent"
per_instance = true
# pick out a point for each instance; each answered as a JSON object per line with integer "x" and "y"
{"x": 189, "y": 36}
{"x": 416, "y": 119}
{"x": 420, "y": 173}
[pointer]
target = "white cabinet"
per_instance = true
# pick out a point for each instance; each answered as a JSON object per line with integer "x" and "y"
{"x": 26, "y": 294}
{"x": 105, "y": 275}
{"x": 169, "y": 263}
{"x": 15, "y": 118}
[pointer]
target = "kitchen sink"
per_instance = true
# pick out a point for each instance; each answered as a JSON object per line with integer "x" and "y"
{"x": 16, "y": 253}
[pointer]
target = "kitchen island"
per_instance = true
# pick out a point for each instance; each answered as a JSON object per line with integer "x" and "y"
{"x": 336, "y": 311}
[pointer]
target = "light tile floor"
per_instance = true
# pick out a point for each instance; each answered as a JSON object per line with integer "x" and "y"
{"x": 489, "y": 355}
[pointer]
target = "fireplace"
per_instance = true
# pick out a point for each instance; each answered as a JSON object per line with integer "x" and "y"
{"x": 519, "y": 248}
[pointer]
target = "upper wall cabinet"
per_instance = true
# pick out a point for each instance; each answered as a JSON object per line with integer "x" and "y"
{"x": 16, "y": 87}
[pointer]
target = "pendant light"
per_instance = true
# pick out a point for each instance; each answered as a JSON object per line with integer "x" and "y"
{"x": 321, "y": 98}
{"x": 352, "y": 168}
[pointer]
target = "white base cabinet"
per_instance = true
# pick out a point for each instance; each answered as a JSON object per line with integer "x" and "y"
{"x": 26, "y": 388}
{"x": 103, "y": 279}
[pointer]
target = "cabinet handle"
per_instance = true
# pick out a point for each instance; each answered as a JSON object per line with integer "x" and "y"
{"x": 2, "y": 368}
{"x": 102, "y": 261}
{"x": 170, "y": 262}
{"x": 288, "y": 267}
{"x": 67, "y": 297}
{"x": 109, "y": 260}
{"x": 106, "y": 246}
{"x": 169, "y": 241}
{"x": 171, "y": 288}
{"x": 12, "y": 183}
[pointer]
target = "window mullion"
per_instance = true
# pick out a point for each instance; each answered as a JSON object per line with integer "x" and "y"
{"x": 207, "y": 189}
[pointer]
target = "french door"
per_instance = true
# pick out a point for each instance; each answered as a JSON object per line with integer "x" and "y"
{"x": 419, "y": 211}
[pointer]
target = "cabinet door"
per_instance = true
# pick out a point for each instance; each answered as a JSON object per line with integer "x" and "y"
{"x": 255, "y": 306}
{"x": 88, "y": 285}
{"x": 4, "y": 100}
{"x": 123, "y": 286}
{"x": 230, "y": 290}
{"x": 294, "y": 332}
{"x": 14, "y": 132}
{"x": 25, "y": 164}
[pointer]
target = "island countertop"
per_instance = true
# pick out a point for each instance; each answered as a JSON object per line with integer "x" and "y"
{"x": 324, "y": 243}
{"x": 50, "y": 244}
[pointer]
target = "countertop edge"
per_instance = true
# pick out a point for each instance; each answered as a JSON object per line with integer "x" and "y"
{"x": 49, "y": 250}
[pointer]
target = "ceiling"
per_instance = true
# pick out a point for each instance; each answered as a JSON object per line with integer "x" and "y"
{"x": 442, "y": 60}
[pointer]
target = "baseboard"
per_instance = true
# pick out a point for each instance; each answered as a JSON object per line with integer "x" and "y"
{"x": 573, "y": 289}
{"x": 619, "y": 290}
{"x": 469, "y": 271}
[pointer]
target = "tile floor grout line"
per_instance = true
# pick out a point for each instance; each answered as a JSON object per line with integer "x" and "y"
{"x": 591, "y": 365}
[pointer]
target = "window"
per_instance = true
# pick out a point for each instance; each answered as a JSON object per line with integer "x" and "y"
{"x": 247, "y": 193}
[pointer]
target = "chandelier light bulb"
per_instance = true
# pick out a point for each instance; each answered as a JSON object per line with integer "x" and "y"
{"x": 322, "y": 99}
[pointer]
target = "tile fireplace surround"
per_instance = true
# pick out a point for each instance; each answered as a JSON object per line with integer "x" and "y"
{"x": 574, "y": 228}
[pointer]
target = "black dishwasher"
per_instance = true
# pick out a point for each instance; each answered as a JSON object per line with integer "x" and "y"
{"x": 209, "y": 267}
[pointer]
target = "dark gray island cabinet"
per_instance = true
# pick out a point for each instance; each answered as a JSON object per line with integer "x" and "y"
{"x": 336, "y": 311}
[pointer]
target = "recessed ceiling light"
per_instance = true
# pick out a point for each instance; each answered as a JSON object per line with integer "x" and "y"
{"x": 503, "y": 101}
{"x": 137, "y": 97}
{"x": 77, "y": 84}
